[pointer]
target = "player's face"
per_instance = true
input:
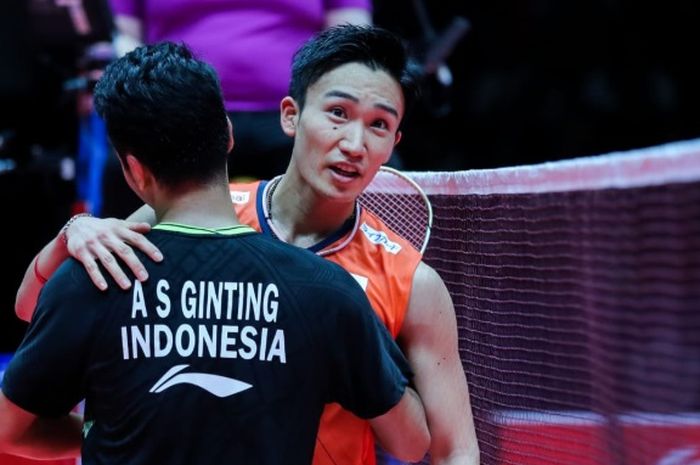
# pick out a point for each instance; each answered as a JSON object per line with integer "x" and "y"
{"x": 347, "y": 129}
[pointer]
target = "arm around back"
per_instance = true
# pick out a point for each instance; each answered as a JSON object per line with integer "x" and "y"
{"x": 37, "y": 398}
{"x": 403, "y": 430}
{"x": 39, "y": 270}
{"x": 430, "y": 340}
{"x": 90, "y": 241}
{"x": 26, "y": 435}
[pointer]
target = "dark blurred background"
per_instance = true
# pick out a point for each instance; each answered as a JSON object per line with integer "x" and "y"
{"x": 522, "y": 82}
{"x": 539, "y": 80}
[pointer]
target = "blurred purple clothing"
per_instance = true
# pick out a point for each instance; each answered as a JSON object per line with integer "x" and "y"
{"x": 250, "y": 43}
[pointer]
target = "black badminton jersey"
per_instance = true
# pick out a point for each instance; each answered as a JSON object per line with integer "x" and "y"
{"x": 227, "y": 354}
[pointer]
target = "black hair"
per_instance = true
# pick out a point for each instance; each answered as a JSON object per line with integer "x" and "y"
{"x": 372, "y": 46}
{"x": 165, "y": 107}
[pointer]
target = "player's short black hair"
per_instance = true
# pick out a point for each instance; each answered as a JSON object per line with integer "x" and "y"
{"x": 372, "y": 46}
{"x": 165, "y": 107}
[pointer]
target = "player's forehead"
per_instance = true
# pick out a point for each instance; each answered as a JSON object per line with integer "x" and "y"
{"x": 359, "y": 82}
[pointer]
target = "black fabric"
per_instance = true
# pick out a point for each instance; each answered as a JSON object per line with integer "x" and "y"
{"x": 321, "y": 343}
{"x": 261, "y": 150}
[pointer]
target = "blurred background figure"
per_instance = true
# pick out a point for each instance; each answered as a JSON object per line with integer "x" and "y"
{"x": 43, "y": 51}
{"x": 250, "y": 44}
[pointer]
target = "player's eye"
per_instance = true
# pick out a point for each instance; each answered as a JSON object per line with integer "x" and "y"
{"x": 338, "y": 112}
{"x": 380, "y": 124}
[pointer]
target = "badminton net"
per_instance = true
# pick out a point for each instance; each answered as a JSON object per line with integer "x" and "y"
{"x": 577, "y": 291}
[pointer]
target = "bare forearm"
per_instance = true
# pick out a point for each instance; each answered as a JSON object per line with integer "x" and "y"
{"x": 90, "y": 240}
{"x": 144, "y": 214}
{"x": 403, "y": 431}
{"x": 470, "y": 457}
{"x": 430, "y": 338}
{"x": 450, "y": 418}
{"x": 47, "y": 439}
{"x": 40, "y": 269}
{"x": 445, "y": 393}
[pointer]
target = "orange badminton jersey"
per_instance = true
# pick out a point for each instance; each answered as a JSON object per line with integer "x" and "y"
{"x": 383, "y": 263}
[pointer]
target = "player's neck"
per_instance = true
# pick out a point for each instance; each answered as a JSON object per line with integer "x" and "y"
{"x": 301, "y": 216}
{"x": 206, "y": 207}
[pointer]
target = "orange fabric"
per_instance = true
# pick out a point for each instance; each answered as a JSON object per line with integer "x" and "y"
{"x": 387, "y": 278}
{"x": 243, "y": 197}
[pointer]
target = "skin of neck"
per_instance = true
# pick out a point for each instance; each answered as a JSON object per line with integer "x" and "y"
{"x": 304, "y": 215}
{"x": 205, "y": 206}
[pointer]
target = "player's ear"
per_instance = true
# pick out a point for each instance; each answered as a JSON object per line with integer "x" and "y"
{"x": 136, "y": 174}
{"x": 289, "y": 116}
{"x": 397, "y": 137}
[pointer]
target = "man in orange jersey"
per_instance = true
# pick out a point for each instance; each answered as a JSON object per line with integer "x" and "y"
{"x": 348, "y": 95}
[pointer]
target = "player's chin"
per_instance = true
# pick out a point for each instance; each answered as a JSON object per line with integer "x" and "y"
{"x": 344, "y": 193}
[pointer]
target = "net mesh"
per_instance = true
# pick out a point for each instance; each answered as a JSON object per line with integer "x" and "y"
{"x": 401, "y": 205}
{"x": 577, "y": 292}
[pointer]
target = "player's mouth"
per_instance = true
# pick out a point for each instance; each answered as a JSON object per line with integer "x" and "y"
{"x": 345, "y": 172}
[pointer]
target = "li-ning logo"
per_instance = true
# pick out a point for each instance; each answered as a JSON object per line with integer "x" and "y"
{"x": 220, "y": 386}
{"x": 379, "y": 237}
{"x": 240, "y": 197}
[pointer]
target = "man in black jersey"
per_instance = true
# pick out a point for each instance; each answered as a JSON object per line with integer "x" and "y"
{"x": 230, "y": 350}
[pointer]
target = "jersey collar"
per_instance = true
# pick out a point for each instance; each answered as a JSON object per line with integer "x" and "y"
{"x": 197, "y": 230}
{"x": 347, "y": 230}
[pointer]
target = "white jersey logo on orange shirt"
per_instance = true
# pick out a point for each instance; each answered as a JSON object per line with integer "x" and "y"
{"x": 240, "y": 197}
{"x": 379, "y": 237}
{"x": 362, "y": 280}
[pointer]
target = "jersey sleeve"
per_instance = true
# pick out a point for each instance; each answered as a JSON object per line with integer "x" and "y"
{"x": 370, "y": 371}
{"x": 46, "y": 375}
